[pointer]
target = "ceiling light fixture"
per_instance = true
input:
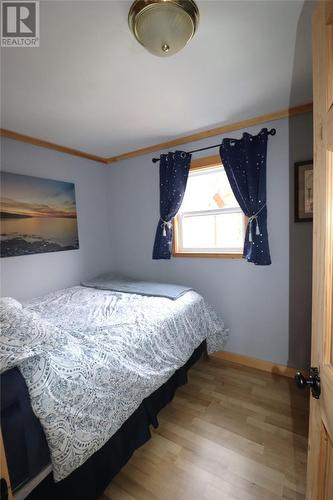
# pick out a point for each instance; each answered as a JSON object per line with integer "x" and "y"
{"x": 163, "y": 27}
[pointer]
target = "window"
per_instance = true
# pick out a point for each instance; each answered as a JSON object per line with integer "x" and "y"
{"x": 210, "y": 222}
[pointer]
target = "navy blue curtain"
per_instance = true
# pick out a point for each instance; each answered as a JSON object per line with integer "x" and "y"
{"x": 244, "y": 161}
{"x": 174, "y": 168}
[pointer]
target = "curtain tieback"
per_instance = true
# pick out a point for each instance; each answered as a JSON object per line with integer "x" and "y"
{"x": 165, "y": 224}
{"x": 250, "y": 222}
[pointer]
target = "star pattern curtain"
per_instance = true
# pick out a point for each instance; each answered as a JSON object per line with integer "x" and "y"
{"x": 244, "y": 161}
{"x": 174, "y": 169}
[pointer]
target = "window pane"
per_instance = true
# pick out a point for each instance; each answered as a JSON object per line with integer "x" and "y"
{"x": 208, "y": 190}
{"x": 213, "y": 232}
{"x": 230, "y": 231}
{"x": 198, "y": 232}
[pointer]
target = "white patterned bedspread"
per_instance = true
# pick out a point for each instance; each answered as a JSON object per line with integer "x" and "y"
{"x": 114, "y": 349}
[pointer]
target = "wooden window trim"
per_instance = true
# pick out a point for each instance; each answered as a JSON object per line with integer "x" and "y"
{"x": 202, "y": 164}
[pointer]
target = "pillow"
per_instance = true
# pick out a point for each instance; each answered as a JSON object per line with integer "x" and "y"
{"x": 24, "y": 334}
{"x": 102, "y": 278}
{"x": 10, "y": 302}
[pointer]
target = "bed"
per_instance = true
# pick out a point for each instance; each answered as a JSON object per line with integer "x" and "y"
{"x": 78, "y": 402}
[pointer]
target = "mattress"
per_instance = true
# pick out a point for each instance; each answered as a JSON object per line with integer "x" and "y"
{"x": 111, "y": 352}
{"x": 28, "y": 455}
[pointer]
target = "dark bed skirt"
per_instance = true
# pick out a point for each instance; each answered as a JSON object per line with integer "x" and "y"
{"x": 90, "y": 480}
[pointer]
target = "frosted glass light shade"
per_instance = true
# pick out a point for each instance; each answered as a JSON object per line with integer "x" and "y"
{"x": 163, "y": 27}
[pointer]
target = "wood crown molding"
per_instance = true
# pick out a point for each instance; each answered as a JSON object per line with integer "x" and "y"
{"x": 50, "y": 145}
{"x": 258, "y": 364}
{"x": 250, "y": 122}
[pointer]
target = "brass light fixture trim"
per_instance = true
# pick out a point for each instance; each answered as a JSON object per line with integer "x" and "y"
{"x": 163, "y": 27}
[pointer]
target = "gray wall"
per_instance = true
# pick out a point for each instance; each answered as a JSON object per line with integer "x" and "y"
{"x": 300, "y": 149}
{"x": 300, "y": 251}
{"x": 253, "y": 300}
{"x": 32, "y": 275}
{"x": 268, "y": 309}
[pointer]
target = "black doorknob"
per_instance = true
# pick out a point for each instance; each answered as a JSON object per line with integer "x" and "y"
{"x": 313, "y": 381}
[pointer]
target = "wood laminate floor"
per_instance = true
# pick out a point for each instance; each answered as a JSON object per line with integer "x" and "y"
{"x": 231, "y": 433}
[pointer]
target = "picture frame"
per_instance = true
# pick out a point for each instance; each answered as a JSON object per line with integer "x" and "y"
{"x": 37, "y": 215}
{"x": 304, "y": 191}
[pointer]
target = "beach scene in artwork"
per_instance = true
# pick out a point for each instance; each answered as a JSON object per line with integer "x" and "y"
{"x": 37, "y": 215}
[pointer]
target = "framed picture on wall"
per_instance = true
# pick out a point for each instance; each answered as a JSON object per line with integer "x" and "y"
{"x": 304, "y": 191}
{"x": 37, "y": 215}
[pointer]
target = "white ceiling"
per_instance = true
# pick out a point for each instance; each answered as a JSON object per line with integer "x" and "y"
{"x": 91, "y": 86}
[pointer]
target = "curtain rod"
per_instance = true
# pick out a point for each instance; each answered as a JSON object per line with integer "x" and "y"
{"x": 270, "y": 132}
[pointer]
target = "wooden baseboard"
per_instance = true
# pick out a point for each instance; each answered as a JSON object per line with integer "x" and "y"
{"x": 259, "y": 364}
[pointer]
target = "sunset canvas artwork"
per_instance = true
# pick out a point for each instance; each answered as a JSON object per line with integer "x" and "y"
{"x": 37, "y": 215}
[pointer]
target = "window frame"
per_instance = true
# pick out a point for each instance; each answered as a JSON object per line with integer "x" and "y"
{"x": 206, "y": 163}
